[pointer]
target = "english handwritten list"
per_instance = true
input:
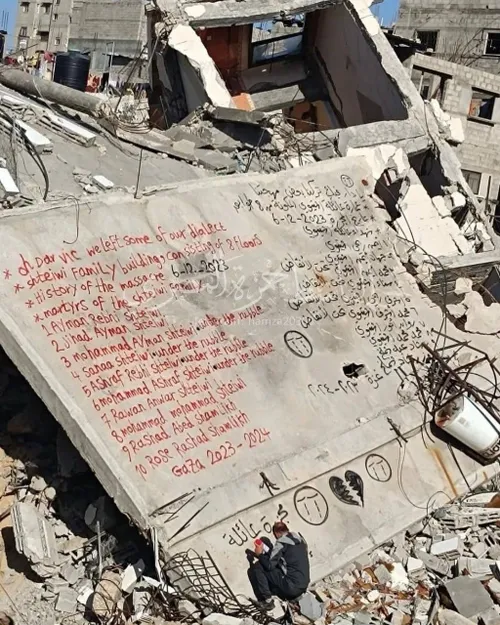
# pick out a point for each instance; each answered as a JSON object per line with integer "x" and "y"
{"x": 161, "y": 327}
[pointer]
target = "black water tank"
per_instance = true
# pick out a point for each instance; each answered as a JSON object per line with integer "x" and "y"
{"x": 72, "y": 70}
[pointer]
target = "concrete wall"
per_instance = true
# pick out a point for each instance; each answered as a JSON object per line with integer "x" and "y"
{"x": 56, "y": 23}
{"x": 479, "y": 152}
{"x": 192, "y": 340}
{"x": 462, "y": 27}
{"x": 358, "y": 86}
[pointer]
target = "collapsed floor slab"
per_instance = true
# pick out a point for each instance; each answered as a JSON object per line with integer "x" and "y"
{"x": 227, "y": 354}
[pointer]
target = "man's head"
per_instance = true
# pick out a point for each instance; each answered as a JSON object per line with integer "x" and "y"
{"x": 280, "y": 529}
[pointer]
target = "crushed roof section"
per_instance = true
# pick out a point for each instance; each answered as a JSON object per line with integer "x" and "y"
{"x": 227, "y": 12}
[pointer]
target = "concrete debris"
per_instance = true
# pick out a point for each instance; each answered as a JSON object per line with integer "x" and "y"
{"x": 253, "y": 118}
{"x": 450, "y": 127}
{"x": 103, "y": 182}
{"x": 66, "y": 601}
{"x": 132, "y": 575}
{"x": 7, "y": 183}
{"x": 34, "y": 538}
{"x": 186, "y": 41}
{"x": 106, "y": 595}
{"x": 469, "y": 596}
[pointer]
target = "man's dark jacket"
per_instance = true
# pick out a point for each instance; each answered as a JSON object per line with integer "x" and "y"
{"x": 290, "y": 555}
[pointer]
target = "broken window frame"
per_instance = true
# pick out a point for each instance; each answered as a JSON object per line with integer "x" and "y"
{"x": 45, "y": 8}
{"x": 473, "y": 179}
{"x": 265, "y": 43}
{"x": 489, "y": 49}
{"x": 482, "y": 105}
{"x": 23, "y": 31}
{"x": 25, "y": 7}
{"x": 432, "y": 35}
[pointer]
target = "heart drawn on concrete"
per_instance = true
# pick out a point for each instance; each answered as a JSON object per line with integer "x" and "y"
{"x": 350, "y": 491}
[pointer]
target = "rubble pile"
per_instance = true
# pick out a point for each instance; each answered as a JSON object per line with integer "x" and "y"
{"x": 232, "y": 140}
{"x": 446, "y": 567}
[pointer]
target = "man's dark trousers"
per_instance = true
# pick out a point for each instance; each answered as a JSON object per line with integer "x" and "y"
{"x": 268, "y": 583}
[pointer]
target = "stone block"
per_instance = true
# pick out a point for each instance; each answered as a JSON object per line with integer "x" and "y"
{"x": 489, "y": 617}
{"x": 214, "y": 161}
{"x": 450, "y": 617}
{"x": 220, "y": 619}
{"x": 435, "y": 564}
{"x": 469, "y": 596}
{"x": 481, "y": 569}
{"x": 66, "y": 601}
{"x": 34, "y": 537}
{"x": 310, "y": 607}
{"x": 131, "y": 575}
{"x": 494, "y": 587}
{"x": 449, "y": 549}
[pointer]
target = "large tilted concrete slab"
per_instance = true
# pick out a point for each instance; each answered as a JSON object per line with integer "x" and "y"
{"x": 201, "y": 347}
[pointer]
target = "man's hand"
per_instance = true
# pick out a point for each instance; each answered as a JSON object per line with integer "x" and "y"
{"x": 259, "y": 549}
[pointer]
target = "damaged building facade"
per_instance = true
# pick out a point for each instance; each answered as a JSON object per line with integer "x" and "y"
{"x": 460, "y": 71}
{"x": 275, "y": 342}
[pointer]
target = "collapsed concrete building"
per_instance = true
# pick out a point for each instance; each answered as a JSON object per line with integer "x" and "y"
{"x": 236, "y": 350}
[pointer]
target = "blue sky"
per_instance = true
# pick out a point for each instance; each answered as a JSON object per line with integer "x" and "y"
{"x": 387, "y": 10}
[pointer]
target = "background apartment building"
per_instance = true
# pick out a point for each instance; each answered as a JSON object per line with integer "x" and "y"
{"x": 461, "y": 69}
{"x": 465, "y": 32}
{"x": 112, "y": 31}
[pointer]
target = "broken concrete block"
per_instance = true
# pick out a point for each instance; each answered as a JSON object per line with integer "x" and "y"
{"x": 215, "y": 161}
{"x": 34, "y": 536}
{"x": 494, "y": 587}
{"x": 50, "y": 493}
{"x": 469, "y": 596}
{"x": 7, "y": 183}
{"x": 450, "y": 617}
{"x": 238, "y": 116}
{"x": 220, "y": 619}
{"x": 489, "y": 617}
{"x": 399, "y": 578}
{"x": 78, "y": 171}
{"x": 463, "y": 286}
{"x": 458, "y": 199}
{"x": 38, "y": 484}
{"x": 106, "y": 595}
{"x": 415, "y": 567}
{"x": 103, "y": 182}
{"x": 70, "y": 573}
{"x": 131, "y": 575}
{"x": 66, "y": 601}
{"x": 324, "y": 154}
{"x": 441, "y": 206}
{"x": 450, "y": 549}
{"x": 433, "y": 563}
{"x": 373, "y": 596}
{"x": 481, "y": 569}
{"x": 382, "y": 574}
{"x": 186, "y": 608}
{"x": 310, "y": 607}
{"x": 479, "y": 550}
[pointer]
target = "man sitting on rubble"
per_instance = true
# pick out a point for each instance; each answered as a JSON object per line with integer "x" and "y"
{"x": 282, "y": 570}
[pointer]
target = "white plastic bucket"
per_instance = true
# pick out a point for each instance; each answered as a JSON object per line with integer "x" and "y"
{"x": 469, "y": 423}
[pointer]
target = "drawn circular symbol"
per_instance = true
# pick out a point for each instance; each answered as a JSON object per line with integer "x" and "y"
{"x": 347, "y": 181}
{"x": 311, "y": 506}
{"x": 378, "y": 468}
{"x": 298, "y": 344}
